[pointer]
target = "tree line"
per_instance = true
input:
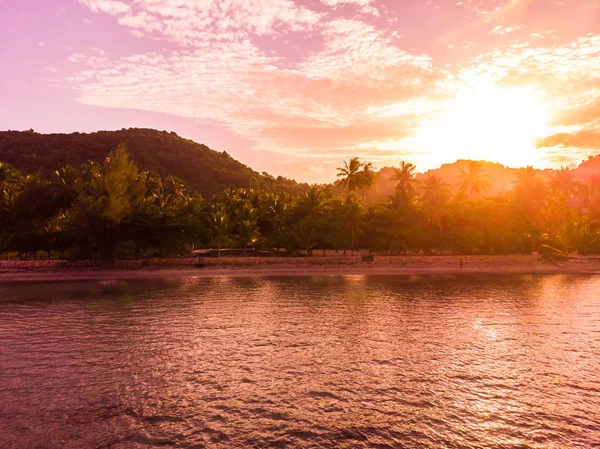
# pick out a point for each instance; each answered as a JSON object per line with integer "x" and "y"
{"x": 113, "y": 210}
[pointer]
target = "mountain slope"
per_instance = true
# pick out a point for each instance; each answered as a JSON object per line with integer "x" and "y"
{"x": 206, "y": 170}
{"x": 499, "y": 177}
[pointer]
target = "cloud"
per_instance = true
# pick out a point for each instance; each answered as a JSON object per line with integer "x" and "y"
{"x": 312, "y": 169}
{"x": 501, "y": 30}
{"x": 582, "y": 113}
{"x": 567, "y": 75}
{"x": 192, "y": 22}
{"x": 76, "y": 57}
{"x": 346, "y": 86}
{"x": 586, "y": 138}
{"x": 324, "y": 101}
{"x": 113, "y": 7}
{"x": 365, "y": 6}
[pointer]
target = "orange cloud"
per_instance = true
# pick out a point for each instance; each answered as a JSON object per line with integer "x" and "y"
{"x": 351, "y": 90}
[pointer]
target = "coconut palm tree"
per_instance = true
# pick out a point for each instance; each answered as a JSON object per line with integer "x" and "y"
{"x": 563, "y": 182}
{"x": 434, "y": 187}
{"x": 473, "y": 180}
{"x": 437, "y": 205}
{"x": 405, "y": 187}
{"x": 246, "y": 224}
{"x": 353, "y": 222}
{"x": 404, "y": 176}
{"x": 64, "y": 186}
{"x": 10, "y": 182}
{"x": 530, "y": 192}
{"x": 367, "y": 178}
{"x": 220, "y": 225}
{"x": 350, "y": 175}
{"x": 155, "y": 190}
{"x": 305, "y": 236}
{"x": 314, "y": 199}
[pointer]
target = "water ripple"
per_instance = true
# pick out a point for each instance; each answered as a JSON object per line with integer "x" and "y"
{"x": 320, "y": 362}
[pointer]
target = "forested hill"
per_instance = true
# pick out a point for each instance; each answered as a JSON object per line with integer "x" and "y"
{"x": 207, "y": 171}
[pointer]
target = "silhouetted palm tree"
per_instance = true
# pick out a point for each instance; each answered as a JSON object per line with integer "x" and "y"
{"x": 434, "y": 187}
{"x": 563, "y": 182}
{"x": 405, "y": 189}
{"x": 529, "y": 189}
{"x": 473, "y": 180}
{"x": 367, "y": 178}
{"x": 350, "y": 175}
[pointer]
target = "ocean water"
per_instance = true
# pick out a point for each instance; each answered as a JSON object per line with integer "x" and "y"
{"x": 491, "y": 361}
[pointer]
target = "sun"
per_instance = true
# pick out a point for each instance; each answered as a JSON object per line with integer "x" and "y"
{"x": 487, "y": 122}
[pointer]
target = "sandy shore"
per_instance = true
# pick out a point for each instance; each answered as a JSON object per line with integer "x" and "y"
{"x": 400, "y": 266}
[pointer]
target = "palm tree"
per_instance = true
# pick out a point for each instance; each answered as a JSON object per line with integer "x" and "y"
{"x": 304, "y": 235}
{"x": 367, "y": 178}
{"x": 187, "y": 217}
{"x": 436, "y": 198}
{"x": 473, "y": 180}
{"x": 353, "y": 222}
{"x": 247, "y": 228}
{"x": 65, "y": 186}
{"x": 434, "y": 188}
{"x": 530, "y": 191}
{"x": 220, "y": 223}
{"x": 405, "y": 190}
{"x": 350, "y": 175}
{"x": 155, "y": 190}
{"x": 593, "y": 196}
{"x": 10, "y": 182}
{"x": 312, "y": 202}
{"x": 563, "y": 182}
{"x": 248, "y": 233}
{"x": 441, "y": 214}
{"x": 563, "y": 187}
{"x": 313, "y": 207}
{"x": 404, "y": 176}
{"x": 175, "y": 189}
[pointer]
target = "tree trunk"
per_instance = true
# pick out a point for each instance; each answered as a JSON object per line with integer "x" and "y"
{"x": 245, "y": 247}
{"x": 218, "y": 247}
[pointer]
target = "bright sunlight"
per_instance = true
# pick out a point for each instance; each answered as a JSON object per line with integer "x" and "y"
{"x": 488, "y": 122}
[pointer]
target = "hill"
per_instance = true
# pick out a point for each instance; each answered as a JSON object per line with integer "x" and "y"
{"x": 500, "y": 177}
{"x": 208, "y": 171}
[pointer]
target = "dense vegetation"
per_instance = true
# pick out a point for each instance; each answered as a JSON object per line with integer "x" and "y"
{"x": 113, "y": 209}
{"x": 205, "y": 170}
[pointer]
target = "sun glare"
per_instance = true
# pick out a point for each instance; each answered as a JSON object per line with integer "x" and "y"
{"x": 488, "y": 122}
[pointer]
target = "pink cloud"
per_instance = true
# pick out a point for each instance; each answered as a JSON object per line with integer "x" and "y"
{"x": 330, "y": 79}
{"x": 363, "y": 5}
{"x": 113, "y": 7}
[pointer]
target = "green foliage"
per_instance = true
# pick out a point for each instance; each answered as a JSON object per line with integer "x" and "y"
{"x": 166, "y": 154}
{"x": 106, "y": 209}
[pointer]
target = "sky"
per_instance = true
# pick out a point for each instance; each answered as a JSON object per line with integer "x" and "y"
{"x": 294, "y": 87}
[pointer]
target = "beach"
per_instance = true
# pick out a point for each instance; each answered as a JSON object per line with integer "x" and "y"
{"x": 56, "y": 270}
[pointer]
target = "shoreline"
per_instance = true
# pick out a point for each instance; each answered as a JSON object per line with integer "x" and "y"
{"x": 397, "y": 265}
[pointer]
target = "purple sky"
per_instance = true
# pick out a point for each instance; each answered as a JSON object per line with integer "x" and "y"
{"x": 295, "y": 87}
